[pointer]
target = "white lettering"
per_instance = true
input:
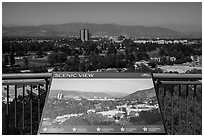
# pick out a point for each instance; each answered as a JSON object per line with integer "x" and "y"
{"x": 73, "y": 75}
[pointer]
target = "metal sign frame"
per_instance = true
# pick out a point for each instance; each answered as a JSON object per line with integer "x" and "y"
{"x": 147, "y": 129}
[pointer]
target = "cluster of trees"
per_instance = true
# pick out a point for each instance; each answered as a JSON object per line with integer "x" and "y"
{"x": 92, "y": 59}
{"x": 180, "y": 51}
{"x": 57, "y": 57}
{"x": 8, "y": 59}
{"x": 148, "y": 118}
{"x": 8, "y": 65}
{"x": 100, "y": 54}
{"x": 24, "y": 46}
{"x": 88, "y": 119}
{"x": 72, "y": 106}
{"x": 94, "y": 62}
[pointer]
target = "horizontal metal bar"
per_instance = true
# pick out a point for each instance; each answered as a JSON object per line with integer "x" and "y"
{"x": 23, "y": 82}
{"x": 48, "y": 75}
{"x": 177, "y": 76}
{"x": 182, "y": 82}
{"x": 26, "y": 76}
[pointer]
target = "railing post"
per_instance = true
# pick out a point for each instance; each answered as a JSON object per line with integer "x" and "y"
{"x": 179, "y": 129}
{"x": 194, "y": 104}
{"x": 187, "y": 109}
{"x": 47, "y": 84}
{"x": 31, "y": 109}
{"x": 15, "y": 107}
{"x": 165, "y": 103}
{"x": 7, "y": 111}
{"x": 23, "y": 114}
{"x": 172, "y": 107}
{"x": 39, "y": 103}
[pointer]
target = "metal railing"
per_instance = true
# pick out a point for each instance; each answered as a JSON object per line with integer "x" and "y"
{"x": 179, "y": 97}
{"x": 33, "y": 88}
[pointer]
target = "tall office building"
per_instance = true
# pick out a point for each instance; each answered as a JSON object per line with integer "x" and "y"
{"x": 60, "y": 96}
{"x": 84, "y": 35}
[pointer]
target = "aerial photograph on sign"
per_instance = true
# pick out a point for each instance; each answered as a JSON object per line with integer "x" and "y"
{"x": 102, "y": 106}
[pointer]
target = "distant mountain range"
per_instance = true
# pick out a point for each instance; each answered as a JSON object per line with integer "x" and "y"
{"x": 183, "y": 28}
{"x": 72, "y": 29}
{"x": 79, "y": 94}
{"x": 147, "y": 93}
{"x": 141, "y": 94}
{"x": 86, "y": 94}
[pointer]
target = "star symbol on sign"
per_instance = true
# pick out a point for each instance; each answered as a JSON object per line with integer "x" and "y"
{"x": 98, "y": 129}
{"x": 44, "y": 129}
{"x": 74, "y": 129}
{"x": 137, "y": 114}
{"x": 145, "y": 129}
{"x": 122, "y": 129}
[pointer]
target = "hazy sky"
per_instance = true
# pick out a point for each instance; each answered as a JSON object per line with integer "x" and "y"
{"x": 147, "y": 13}
{"x": 101, "y": 85}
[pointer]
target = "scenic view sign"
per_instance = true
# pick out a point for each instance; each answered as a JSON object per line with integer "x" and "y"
{"x": 121, "y": 103}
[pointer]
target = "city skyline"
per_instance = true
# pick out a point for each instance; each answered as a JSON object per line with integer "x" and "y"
{"x": 130, "y": 13}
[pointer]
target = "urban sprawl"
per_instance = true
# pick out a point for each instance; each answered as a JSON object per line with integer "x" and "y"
{"x": 88, "y": 52}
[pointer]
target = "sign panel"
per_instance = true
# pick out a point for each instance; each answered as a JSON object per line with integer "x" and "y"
{"x": 101, "y": 103}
